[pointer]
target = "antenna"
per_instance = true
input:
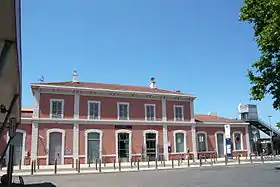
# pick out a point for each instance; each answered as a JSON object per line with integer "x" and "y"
{"x": 41, "y": 79}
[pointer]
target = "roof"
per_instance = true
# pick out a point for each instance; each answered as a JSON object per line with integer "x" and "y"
{"x": 116, "y": 87}
{"x": 212, "y": 118}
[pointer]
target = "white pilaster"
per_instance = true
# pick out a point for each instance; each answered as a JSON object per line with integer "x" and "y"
{"x": 193, "y": 130}
{"x": 248, "y": 140}
{"x": 192, "y": 110}
{"x": 34, "y": 141}
{"x": 164, "y": 129}
{"x": 76, "y": 142}
{"x": 36, "y": 98}
{"x": 76, "y": 105}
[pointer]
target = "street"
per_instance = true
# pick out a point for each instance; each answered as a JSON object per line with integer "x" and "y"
{"x": 239, "y": 175}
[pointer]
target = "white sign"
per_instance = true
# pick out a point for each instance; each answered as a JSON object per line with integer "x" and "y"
{"x": 227, "y": 131}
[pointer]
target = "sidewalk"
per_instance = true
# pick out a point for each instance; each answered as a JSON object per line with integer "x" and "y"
{"x": 132, "y": 167}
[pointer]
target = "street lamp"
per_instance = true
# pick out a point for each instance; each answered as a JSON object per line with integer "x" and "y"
{"x": 271, "y": 134}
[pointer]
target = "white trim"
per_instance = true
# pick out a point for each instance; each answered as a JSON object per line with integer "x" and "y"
{"x": 99, "y": 109}
{"x": 144, "y": 135}
{"x": 62, "y": 107}
{"x": 206, "y": 141}
{"x": 185, "y": 140}
{"x": 76, "y": 134}
{"x": 100, "y": 132}
{"x": 36, "y": 108}
{"x": 154, "y": 105}
{"x": 49, "y": 131}
{"x": 116, "y": 142}
{"x": 34, "y": 140}
{"x": 241, "y": 140}
{"x": 76, "y": 105}
{"x": 165, "y": 141}
{"x": 23, "y": 151}
{"x": 248, "y": 140}
{"x": 106, "y": 122}
{"x": 118, "y": 110}
{"x": 174, "y": 112}
{"x": 109, "y": 90}
{"x": 194, "y": 143}
{"x": 216, "y": 140}
{"x": 220, "y": 123}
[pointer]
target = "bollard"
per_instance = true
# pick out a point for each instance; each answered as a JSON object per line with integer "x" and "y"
{"x": 200, "y": 160}
{"x": 226, "y": 160}
{"x": 114, "y": 164}
{"x": 72, "y": 162}
{"x": 104, "y": 162}
{"x": 211, "y": 159}
{"x": 32, "y": 167}
{"x": 274, "y": 154}
{"x": 19, "y": 166}
{"x": 88, "y": 163}
{"x": 55, "y": 166}
{"x": 96, "y": 164}
{"x": 239, "y": 159}
{"x": 120, "y": 166}
{"x": 148, "y": 162}
{"x": 251, "y": 160}
{"x": 163, "y": 163}
{"x": 271, "y": 156}
{"x": 156, "y": 164}
{"x": 76, "y": 164}
{"x": 79, "y": 166}
{"x": 246, "y": 157}
{"x": 135, "y": 162}
{"x": 172, "y": 162}
{"x": 100, "y": 165}
{"x": 178, "y": 162}
{"x": 205, "y": 159}
{"x": 138, "y": 167}
{"x": 189, "y": 161}
{"x": 131, "y": 163}
{"x": 38, "y": 164}
{"x": 262, "y": 158}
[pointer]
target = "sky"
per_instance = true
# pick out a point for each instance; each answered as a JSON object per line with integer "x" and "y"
{"x": 198, "y": 47}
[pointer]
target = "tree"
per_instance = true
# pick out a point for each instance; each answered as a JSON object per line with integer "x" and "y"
{"x": 264, "y": 74}
{"x": 278, "y": 125}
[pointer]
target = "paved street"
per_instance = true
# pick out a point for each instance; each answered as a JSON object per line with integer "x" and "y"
{"x": 234, "y": 176}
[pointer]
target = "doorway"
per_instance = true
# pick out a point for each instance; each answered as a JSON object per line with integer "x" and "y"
{"x": 220, "y": 144}
{"x": 55, "y": 148}
{"x": 123, "y": 147}
{"x": 151, "y": 146}
{"x": 93, "y": 147}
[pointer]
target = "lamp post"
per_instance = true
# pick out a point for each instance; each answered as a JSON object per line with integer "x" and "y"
{"x": 271, "y": 134}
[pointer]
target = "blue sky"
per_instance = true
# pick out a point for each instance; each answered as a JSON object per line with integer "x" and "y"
{"x": 195, "y": 46}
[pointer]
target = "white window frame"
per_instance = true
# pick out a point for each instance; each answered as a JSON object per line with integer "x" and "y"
{"x": 62, "y": 107}
{"x": 174, "y": 112}
{"x": 118, "y": 109}
{"x": 206, "y": 141}
{"x": 185, "y": 140}
{"x": 100, "y": 132}
{"x": 144, "y": 135}
{"x": 99, "y": 109}
{"x": 216, "y": 140}
{"x": 146, "y": 117}
{"x": 116, "y": 142}
{"x": 241, "y": 140}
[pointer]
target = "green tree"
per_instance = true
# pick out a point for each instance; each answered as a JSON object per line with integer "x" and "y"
{"x": 264, "y": 75}
{"x": 278, "y": 125}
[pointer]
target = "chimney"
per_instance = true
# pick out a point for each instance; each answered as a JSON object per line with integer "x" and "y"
{"x": 153, "y": 83}
{"x": 75, "y": 77}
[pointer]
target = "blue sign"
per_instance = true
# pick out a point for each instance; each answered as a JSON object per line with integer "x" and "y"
{"x": 228, "y": 148}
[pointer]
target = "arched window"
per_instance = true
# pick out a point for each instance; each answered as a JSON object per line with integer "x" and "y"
{"x": 201, "y": 139}
{"x": 180, "y": 141}
{"x": 237, "y": 141}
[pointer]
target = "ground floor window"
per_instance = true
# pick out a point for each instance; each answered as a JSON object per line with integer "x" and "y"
{"x": 237, "y": 139}
{"x": 93, "y": 146}
{"x": 180, "y": 141}
{"x": 201, "y": 141}
{"x": 123, "y": 140}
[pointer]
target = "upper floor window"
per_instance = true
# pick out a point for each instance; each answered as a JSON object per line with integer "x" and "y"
{"x": 178, "y": 113}
{"x": 57, "y": 108}
{"x": 237, "y": 138}
{"x": 150, "y": 112}
{"x": 201, "y": 141}
{"x": 123, "y": 111}
{"x": 94, "y": 110}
